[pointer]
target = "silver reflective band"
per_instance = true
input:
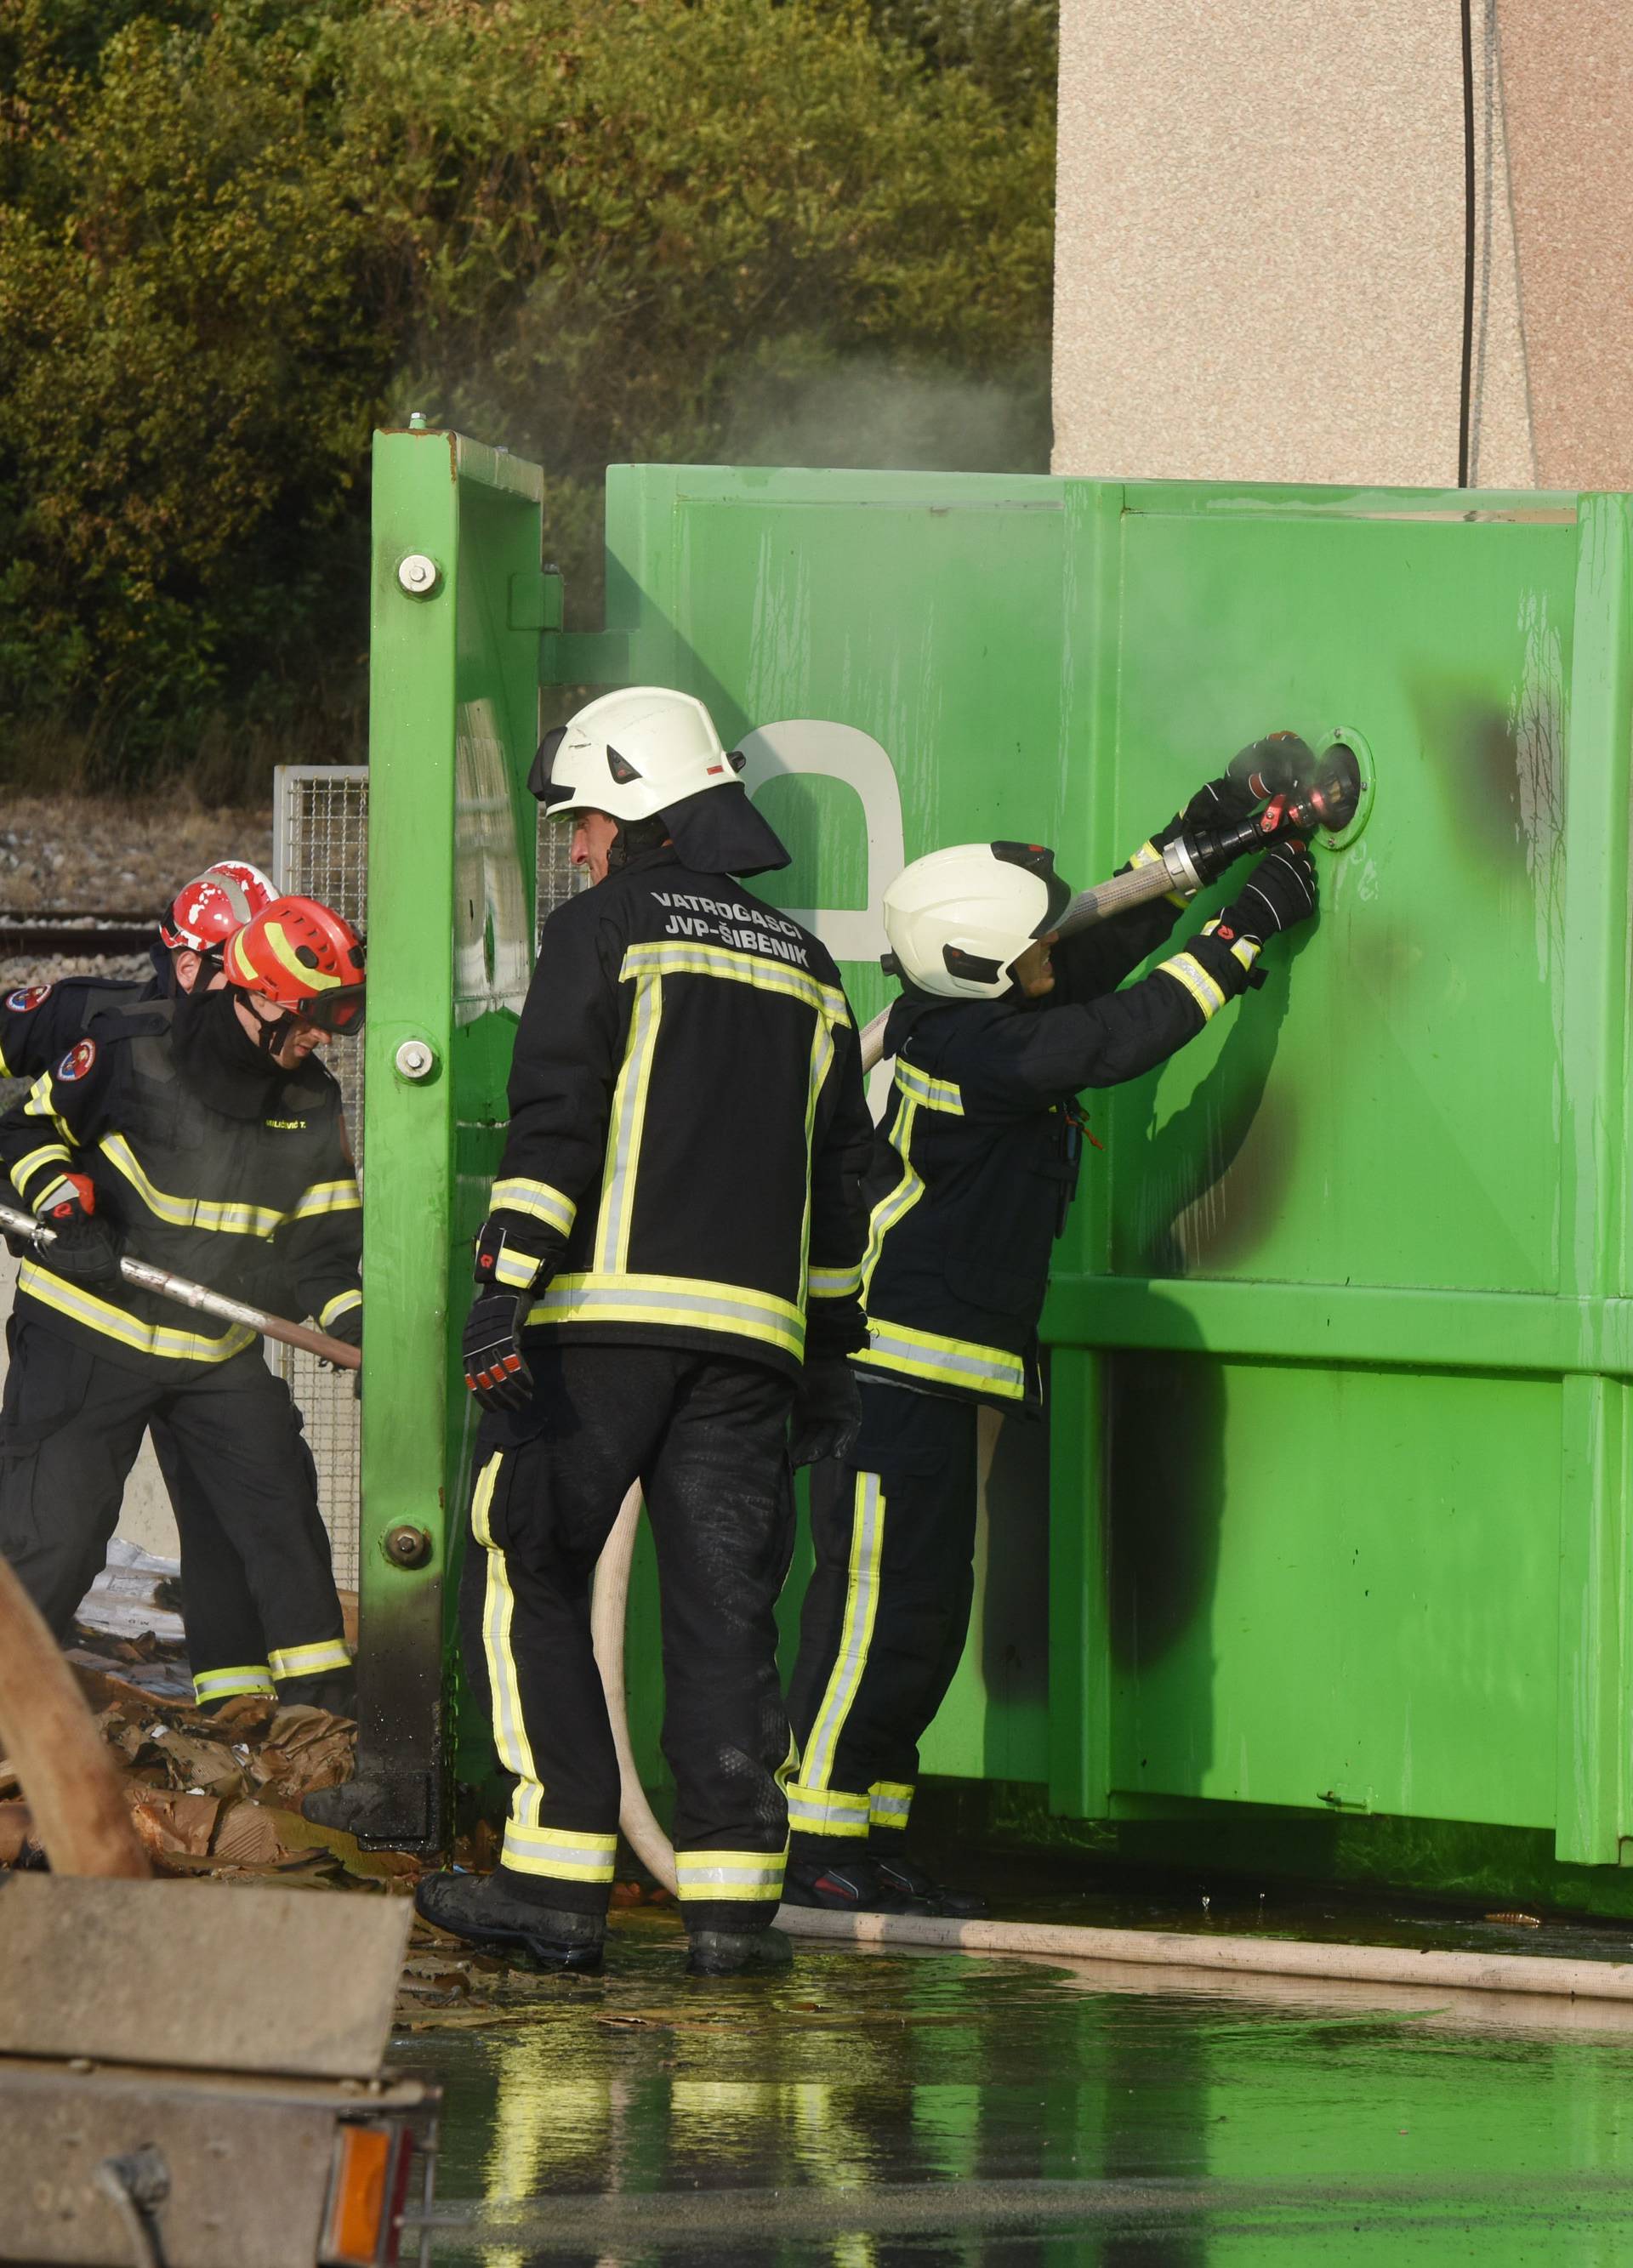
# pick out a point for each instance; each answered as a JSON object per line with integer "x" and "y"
{"x": 692, "y": 1878}
{"x": 884, "y": 1343}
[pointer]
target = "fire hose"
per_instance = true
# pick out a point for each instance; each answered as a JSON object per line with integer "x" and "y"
{"x": 198, "y": 1296}
{"x": 1187, "y": 863}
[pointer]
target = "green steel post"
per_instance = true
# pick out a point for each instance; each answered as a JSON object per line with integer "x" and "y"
{"x": 1596, "y": 1518}
{"x": 453, "y": 716}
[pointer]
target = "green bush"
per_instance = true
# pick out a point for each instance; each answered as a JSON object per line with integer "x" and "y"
{"x": 234, "y": 238}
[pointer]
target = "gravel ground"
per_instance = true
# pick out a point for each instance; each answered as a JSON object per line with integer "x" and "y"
{"x": 127, "y": 857}
{"x": 72, "y": 855}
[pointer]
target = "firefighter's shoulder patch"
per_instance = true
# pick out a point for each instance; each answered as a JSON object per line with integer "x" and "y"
{"x": 28, "y": 998}
{"x": 78, "y": 1061}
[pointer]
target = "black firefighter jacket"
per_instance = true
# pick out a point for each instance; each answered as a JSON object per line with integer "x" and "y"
{"x": 39, "y": 1023}
{"x": 978, "y": 1164}
{"x": 230, "y": 1202}
{"x": 688, "y": 1132}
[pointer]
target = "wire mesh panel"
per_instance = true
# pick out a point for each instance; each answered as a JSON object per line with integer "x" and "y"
{"x": 320, "y": 839}
{"x": 557, "y": 876}
{"x": 320, "y": 850}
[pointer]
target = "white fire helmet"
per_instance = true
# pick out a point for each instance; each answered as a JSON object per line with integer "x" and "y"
{"x": 958, "y": 920}
{"x": 631, "y": 754}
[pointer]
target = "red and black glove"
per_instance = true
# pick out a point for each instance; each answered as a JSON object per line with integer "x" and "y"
{"x": 496, "y": 1369}
{"x": 507, "y": 1276}
{"x": 84, "y": 1247}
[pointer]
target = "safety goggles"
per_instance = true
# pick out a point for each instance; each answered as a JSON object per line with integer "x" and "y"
{"x": 339, "y": 1012}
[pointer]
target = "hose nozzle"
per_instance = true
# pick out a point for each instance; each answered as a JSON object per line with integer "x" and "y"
{"x": 1332, "y": 797}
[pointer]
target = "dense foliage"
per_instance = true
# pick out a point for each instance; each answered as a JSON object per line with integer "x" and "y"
{"x": 233, "y": 238}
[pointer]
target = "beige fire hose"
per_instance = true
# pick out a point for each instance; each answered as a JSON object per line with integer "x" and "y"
{"x": 1259, "y": 1956}
{"x": 188, "y": 1294}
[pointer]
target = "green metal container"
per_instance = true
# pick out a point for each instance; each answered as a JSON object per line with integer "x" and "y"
{"x": 1324, "y": 1558}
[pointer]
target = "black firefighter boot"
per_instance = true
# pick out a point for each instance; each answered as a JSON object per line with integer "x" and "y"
{"x": 905, "y": 1878}
{"x": 483, "y": 1911}
{"x": 848, "y": 1881}
{"x": 737, "y": 1952}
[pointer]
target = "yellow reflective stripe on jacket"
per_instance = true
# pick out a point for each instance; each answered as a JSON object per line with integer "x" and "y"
{"x": 888, "y": 1803}
{"x": 515, "y": 1271}
{"x": 896, "y": 1203}
{"x": 309, "y": 1661}
{"x": 327, "y": 1197}
{"x": 342, "y": 1304}
{"x": 861, "y": 1606}
{"x": 946, "y": 1362}
{"x": 625, "y": 1127}
{"x": 835, "y": 1283}
{"x": 682, "y": 1301}
{"x": 83, "y": 1307}
{"x": 218, "y": 1685}
{"x": 53, "y": 1193}
{"x": 745, "y": 1874}
{"x": 187, "y": 1212}
{"x": 683, "y": 957}
{"x": 574, "y": 1855}
{"x": 1186, "y": 969}
{"x": 827, "y": 1811}
{"x": 52, "y": 1154}
{"x": 937, "y": 1094}
{"x": 821, "y": 1064}
{"x": 42, "y": 1103}
{"x": 518, "y": 1194}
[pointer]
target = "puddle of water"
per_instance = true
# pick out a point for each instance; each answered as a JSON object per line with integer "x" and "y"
{"x": 877, "y": 2109}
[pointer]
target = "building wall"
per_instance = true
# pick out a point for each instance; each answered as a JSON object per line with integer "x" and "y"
{"x": 1262, "y": 233}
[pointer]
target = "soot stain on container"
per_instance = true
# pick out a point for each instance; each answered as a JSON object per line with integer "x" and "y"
{"x": 1166, "y": 1470}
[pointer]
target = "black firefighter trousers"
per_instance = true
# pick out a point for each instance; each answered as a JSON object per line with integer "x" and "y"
{"x": 705, "y": 1436}
{"x": 70, "y": 1425}
{"x": 885, "y": 1616}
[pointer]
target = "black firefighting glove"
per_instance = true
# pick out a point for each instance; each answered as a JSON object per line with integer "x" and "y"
{"x": 1277, "y": 765}
{"x": 827, "y": 1416}
{"x": 348, "y": 1328}
{"x": 86, "y": 1246}
{"x": 1280, "y": 891}
{"x": 495, "y": 1369}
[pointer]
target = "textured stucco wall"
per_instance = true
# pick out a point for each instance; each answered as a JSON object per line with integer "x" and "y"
{"x": 1261, "y": 235}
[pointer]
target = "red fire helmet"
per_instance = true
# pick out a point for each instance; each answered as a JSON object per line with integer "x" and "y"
{"x": 206, "y": 911}
{"x": 303, "y": 957}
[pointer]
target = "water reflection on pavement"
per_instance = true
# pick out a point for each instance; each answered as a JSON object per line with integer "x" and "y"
{"x": 873, "y": 2108}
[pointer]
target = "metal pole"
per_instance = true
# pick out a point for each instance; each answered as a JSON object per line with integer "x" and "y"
{"x": 188, "y": 1294}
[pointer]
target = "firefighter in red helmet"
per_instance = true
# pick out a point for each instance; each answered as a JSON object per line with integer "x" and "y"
{"x": 38, "y": 1024}
{"x": 205, "y": 1128}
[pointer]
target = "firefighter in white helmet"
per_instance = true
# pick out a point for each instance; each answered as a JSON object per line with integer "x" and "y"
{"x": 997, "y": 1028}
{"x": 667, "y": 1275}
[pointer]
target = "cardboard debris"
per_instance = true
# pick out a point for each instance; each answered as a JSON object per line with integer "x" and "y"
{"x": 218, "y": 1792}
{"x": 169, "y": 1824}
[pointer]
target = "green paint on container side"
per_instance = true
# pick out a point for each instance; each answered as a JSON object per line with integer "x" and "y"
{"x": 1329, "y": 1518}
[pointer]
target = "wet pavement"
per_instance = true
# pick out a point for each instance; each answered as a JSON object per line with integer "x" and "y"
{"x": 873, "y": 2108}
